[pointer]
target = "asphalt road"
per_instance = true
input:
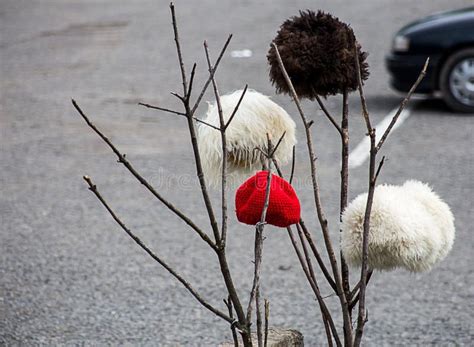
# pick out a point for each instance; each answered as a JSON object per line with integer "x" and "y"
{"x": 70, "y": 276}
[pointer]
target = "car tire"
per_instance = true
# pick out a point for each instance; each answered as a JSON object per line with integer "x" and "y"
{"x": 457, "y": 83}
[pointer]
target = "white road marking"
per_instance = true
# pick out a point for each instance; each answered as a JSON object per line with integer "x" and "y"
{"x": 244, "y": 53}
{"x": 361, "y": 152}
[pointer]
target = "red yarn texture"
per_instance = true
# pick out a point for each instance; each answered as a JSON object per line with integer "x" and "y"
{"x": 283, "y": 208}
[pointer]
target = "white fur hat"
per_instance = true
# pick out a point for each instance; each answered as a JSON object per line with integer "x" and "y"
{"x": 410, "y": 227}
{"x": 257, "y": 115}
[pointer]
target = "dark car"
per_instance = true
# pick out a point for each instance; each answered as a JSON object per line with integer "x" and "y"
{"x": 448, "y": 39}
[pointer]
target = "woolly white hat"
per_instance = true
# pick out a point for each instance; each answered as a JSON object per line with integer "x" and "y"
{"x": 257, "y": 115}
{"x": 410, "y": 227}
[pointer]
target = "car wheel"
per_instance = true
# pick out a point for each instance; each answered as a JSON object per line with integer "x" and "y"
{"x": 457, "y": 81}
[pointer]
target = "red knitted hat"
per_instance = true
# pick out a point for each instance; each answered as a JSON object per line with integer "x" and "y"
{"x": 283, "y": 208}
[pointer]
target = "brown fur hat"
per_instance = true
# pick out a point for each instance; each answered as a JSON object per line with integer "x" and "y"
{"x": 317, "y": 50}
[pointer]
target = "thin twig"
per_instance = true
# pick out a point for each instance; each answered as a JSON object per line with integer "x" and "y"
{"x": 224, "y": 151}
{"x": 293, "y": 163}
{"x": 211, "y": 75}
{"x": 379, "y": 167}
{"x": 277, "y": 145}
{"x": 122, "y": 159}
{"x": 179, "y": 97}
{"x": 178, "y": 113}
{"x": 267, "y": 315}
{"x": 357, "y": 286}
{"x": 178, "y": 48}
{"x": 258, "y": 311}
{"x": 355, "y": 294}
{"x": 236, "y": 108}
{"x": 235, "y": 338}
{"x": 316, "y": 254}
{"x": 403, "y": 104}
{"x": 192, "y": 132}
{"x": 328, "y": 115}
{"x": 202, "y": 301}
{"x": 365, "y": 112}
{"x": 162, "y": 109}
{"x": 191, "y": 81}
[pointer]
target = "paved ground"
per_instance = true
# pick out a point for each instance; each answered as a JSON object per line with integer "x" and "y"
{"x": 68, "y": 275}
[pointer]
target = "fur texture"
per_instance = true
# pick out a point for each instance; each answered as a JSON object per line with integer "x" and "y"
{"x": 257, "y": 115}
{"x": 410, "y": 227}
{"x": 318, "y": 52}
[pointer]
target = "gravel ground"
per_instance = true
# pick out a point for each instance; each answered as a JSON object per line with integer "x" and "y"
{"x": 70, "y": 276}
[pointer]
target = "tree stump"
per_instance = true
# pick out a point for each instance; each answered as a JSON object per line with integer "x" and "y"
{"x": 277, "y": 337}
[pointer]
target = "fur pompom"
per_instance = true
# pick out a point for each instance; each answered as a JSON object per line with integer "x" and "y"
{"x": 318, "y": 51}
{"x": 257, "y": 115}
{"x": 410, "y": 227}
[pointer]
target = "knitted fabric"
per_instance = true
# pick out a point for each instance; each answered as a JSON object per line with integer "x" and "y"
{"x": 283, "y": 208}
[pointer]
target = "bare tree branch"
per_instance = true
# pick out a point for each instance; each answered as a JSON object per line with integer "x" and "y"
{"x": 223, "y": 235}
{"x": 379, "y": 167}
{"x": 313, "y": 276}
{"x": 321, "y": 217}
{"x": 328, "y": 115}
{"x": 373, "y": 174}
{"x": 179, "y": 114}
{"x": 221, "y": 255}
{"x": 191, "y": 82}
{"x": 403, "y": 104}
{"x": 178, "y": 48}
{"x": 355, "y": 294}
{"x": 324, "y": 310}
{"x": 293, "y": 162}
{"x": 307, "y": 234}
{"x": 211, "y": 75}
{"x": 162, "y": 109}
{"x": 197, "y": 296}
{"x": 179, "y": 97}
{"x": 357, "y": 286}
{"x": 267, "y": 315}
{"x": 128, "y": 165}
{"x": 236, "y": 108}
{"x": 259, "y": 243}
{"x": 258, "y": 312}
{"x": 361, "y": 317}
{"x": 316, "y": 254}
{"x": 277, "y": 145}
{"x": 345, "y": 190}
{"x": 192, "y": 132}
{"x": 228, "y": 303}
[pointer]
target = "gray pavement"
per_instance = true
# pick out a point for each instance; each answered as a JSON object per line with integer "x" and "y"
{"x": 70, "y": 276}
